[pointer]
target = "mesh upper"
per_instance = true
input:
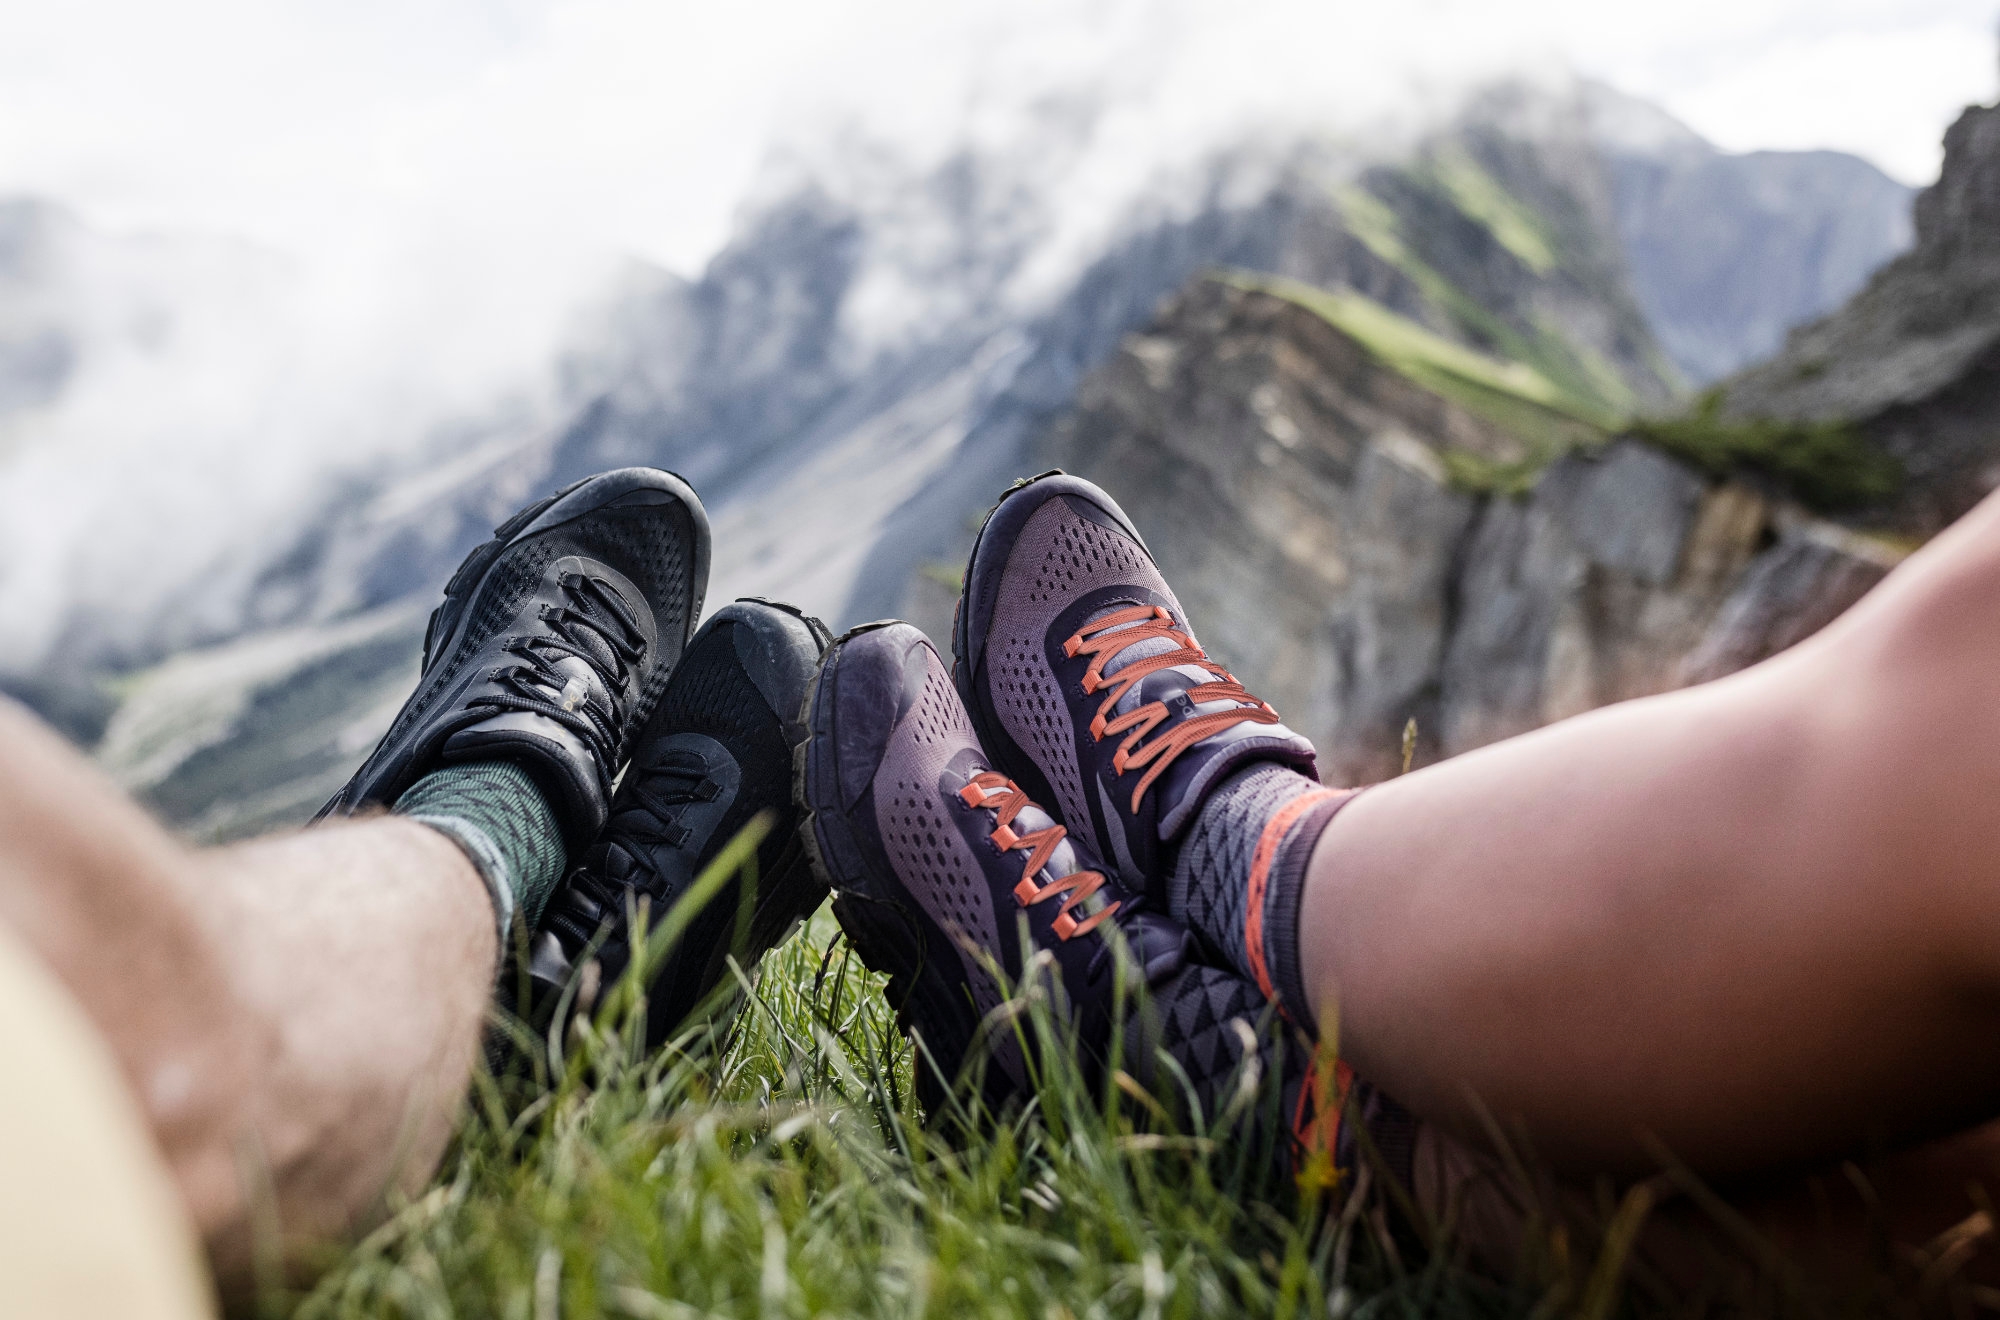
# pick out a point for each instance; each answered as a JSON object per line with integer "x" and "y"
{"x": 924, "y": 845}
{"x": 648, "y": 544}
{"x": 512, "y": 578}
{"x": 1057, "y": 558}
{"x": 711, "y": 694}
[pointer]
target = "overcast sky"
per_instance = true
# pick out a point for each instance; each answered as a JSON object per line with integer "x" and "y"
{"x": 446, "y": 177}
{"x": 354, "y": 125}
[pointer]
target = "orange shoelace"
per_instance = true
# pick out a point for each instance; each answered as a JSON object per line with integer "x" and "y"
{"x": 1096, "y": 640}
{"x": 997, "y": 793}
{"x": 1317, "y": 1118}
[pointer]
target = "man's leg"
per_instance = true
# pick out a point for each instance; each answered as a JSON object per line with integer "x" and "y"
{"x": 297, "y": 1017}
{"x": 1758, "y": 920}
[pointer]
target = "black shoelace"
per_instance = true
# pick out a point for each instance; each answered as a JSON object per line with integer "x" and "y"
{"x": 594, "y": 625}
{"x": 651, "y": 820}
{"x": 658, "y": 791}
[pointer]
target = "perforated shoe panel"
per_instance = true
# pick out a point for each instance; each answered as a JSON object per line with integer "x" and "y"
{"x": 1058, "y": 557}
{"x": 925, "y": 845}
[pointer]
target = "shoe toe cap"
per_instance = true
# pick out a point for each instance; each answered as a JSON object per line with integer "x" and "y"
{"x": 877, "y": 674}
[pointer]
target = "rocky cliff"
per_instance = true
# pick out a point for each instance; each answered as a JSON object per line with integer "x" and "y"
{"x": 1913, "y": 362}
{"x": 878, "y": 351}
{"x": 1301, "y": 493}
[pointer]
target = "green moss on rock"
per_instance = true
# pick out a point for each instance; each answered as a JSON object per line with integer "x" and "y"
{"x": 1828, "y": 465}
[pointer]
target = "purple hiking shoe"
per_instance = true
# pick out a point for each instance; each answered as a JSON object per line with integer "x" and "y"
{"x": 1085, "y": 682}
{"x": 934, "y": 859}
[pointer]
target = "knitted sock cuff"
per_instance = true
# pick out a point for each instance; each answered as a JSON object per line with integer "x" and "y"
{"x": 479, "y": 849}
{"x": 500, "y": 819}
{"x": 1208, "y": 888}
{"x": 1284, "y": 894}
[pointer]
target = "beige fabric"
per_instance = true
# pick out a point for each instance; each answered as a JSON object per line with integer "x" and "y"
{"x": 91, "y": 1227}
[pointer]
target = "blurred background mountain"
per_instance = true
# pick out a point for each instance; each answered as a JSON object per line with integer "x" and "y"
{"x": 1479, "y": 423}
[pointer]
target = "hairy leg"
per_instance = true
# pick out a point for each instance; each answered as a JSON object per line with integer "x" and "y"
{"x": 1757, "y": 921}
{"x": 298, "y": 1016}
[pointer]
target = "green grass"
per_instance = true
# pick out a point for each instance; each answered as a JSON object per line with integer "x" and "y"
{"x": 1547, "y": 419}
{"x": 1478, "y": 194}
{"x": 1591, "y": 388}
{"x": 775, "y": 1163}
{"x": 780, "y": 1166}
{"x": 1828, "y": 466}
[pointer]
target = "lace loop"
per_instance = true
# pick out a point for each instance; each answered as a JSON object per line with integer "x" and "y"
{"x": 661, "y": 788}
{"x": 995, "y": 792}
{"x": 1108, "y": 635}
{"x": 592, "y": 624}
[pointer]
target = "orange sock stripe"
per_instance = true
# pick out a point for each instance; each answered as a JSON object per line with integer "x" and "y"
{"x": 1317, "y": 1117}
{"x": 1274, "y": 833}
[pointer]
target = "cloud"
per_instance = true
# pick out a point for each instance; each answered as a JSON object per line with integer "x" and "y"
{"x": 446, "y": 179}
{"x": 344, "y": 127}
{"x": 1879, "y": 78}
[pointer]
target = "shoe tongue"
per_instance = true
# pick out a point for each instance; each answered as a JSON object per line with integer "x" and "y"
{"x": 592, "y": 643}
{"x": 1157, "y": 686}
{"x": 1063, "y": 861}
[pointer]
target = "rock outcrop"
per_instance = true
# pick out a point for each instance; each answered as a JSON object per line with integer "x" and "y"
{"x": 1297, "y": 492}
{"x": 879, "y": 348}
{"x": 1914, "y": 360}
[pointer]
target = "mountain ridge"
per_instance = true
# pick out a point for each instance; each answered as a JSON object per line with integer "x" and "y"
{"x": 843, "y": 449}
{"x": 1340, "y": 564}
{"x": 1913, "y": 361}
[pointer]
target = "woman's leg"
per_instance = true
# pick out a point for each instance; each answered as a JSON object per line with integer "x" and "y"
{"x": 1757, "y": 921}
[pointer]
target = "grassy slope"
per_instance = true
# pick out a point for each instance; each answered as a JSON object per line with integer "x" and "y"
{"x": 1548, "y": 419}
{"x": 780, "y": 1167}
{"x": 1591, "y": 386}
{"x": 1551, "y": 394}
{"x": 786, "y": 1171}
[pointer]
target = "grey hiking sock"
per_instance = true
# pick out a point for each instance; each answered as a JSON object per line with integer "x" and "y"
{"x": 494, "y": 811}
{"x": 1215, "y": 1025}
{"x": 1241, "y": 873}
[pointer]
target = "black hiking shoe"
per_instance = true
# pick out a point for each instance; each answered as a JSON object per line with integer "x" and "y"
{"x": 716, "y": 752}
{"x": 1085, "y": 682}
{"x": 552, "y": 645}
{"x": 934, "y": 860}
